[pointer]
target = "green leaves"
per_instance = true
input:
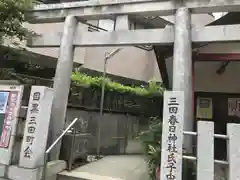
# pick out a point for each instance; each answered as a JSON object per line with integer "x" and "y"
{"x": 152, "y": 145}
{"x": 85, "y": 80}
{"x": 12, "y": 17}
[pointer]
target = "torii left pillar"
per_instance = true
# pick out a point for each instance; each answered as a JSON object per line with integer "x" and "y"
{"x": 62, "y": 83}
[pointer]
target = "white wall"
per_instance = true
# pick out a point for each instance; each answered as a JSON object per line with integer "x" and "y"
{"x": 53, "y": 52}
{"x": 206, "y": 78}
{"x": 130, "y": 62}
{"x": 79, "y": 53}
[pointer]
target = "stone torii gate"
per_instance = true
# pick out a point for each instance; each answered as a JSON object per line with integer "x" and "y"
{"x": 182, "y": 35}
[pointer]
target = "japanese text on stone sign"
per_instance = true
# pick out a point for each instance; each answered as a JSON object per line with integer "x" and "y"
{"x": 31, "y": 126}
{"x": 173, "y": 107}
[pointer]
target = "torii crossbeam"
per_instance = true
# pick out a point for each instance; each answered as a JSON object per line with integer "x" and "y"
{"x": 102, "y": 9}
{"x": 139, "y": 37}
{"x": 182, "y": 36}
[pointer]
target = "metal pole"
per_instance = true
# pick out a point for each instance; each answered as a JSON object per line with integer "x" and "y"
{"x": 101, "y": 107}
{"x": 106, "y": 57}
{"x": 182, "y": 68}
{"x": 70, "y": 161}
{"x": 60, "y": 137}
{"x": 62, "y": 83}
{"x": 52, "y": 146}
{"x": 103, "y": 86}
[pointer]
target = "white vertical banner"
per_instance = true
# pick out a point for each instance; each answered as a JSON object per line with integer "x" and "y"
{"x": 36, "y": 127}
{"x": 172, "y": 136}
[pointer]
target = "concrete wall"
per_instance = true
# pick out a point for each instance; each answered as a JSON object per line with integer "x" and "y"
{"x": 118, "y": 131}
{"x": 79, "y": 53}
{"x": 131, "y": 62}
{"x": 206, "y": 78}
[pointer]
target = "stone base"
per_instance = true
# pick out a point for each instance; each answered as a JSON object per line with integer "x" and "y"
{"x": 3, "y": 169}
{"x": 19, "y": 173}
{"x": 55, "y": 167}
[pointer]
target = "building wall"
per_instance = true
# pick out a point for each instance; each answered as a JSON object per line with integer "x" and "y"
{"x": 206, "y": 78}
{"x": 79, "y": 52}
{"x": 130, "y": 62}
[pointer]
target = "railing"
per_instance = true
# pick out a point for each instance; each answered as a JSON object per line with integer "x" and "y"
{"x": 53, "y": 145}
{"x": 217, "y": 136}
{"x": 208, "y": 164}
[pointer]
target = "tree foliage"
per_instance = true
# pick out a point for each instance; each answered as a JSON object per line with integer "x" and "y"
{"x": 12, "y": 17}
{"x": 152, "y": 145}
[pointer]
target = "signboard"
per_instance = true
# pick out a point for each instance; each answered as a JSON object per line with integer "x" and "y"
{"x": 233, "y": 106}
{"x": 3, "y": 101}
{"x": 204, "y": 108}
{"x": 10, "y": 103}
{"x": 172, "y": 136}
{"x": 3, "y": 108}
{"x": 36, "y": 127}
{"x": 9, "y": 116}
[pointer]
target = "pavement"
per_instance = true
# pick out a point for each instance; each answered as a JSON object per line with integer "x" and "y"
{"x": 118, "y": 167}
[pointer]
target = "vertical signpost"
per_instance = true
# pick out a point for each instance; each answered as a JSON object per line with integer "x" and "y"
{"x": 172, "y": 136}
{"x": 36, "y": 127}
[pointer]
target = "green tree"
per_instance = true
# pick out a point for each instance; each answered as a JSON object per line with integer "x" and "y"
{"x": 151, "y": 139}
{"x": 12, "y": 17}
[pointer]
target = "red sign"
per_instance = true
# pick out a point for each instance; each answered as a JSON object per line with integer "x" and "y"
{"x": 10, "y": 114}
{"x": 157, "y": 173}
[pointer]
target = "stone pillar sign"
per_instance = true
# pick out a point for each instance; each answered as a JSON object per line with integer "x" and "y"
{"x": 36, "y": 127}
{"x": 172, "y": 136}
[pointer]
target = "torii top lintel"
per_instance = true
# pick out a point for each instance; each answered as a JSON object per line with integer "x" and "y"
{"x": 89, "y": 10}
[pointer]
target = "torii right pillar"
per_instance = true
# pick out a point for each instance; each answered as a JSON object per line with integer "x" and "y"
{"x": 182, "y": 68}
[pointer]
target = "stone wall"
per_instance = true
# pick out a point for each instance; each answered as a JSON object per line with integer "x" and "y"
{"x": 118, "y": 132}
